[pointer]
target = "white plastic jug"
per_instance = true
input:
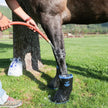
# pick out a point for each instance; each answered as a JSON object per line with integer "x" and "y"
{"x": 15, "y": 68}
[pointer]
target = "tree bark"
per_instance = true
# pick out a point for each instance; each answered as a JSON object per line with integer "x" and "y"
{"x": 25, "y": 41}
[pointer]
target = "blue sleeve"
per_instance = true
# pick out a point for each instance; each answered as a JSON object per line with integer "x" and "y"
{"x": 1, "y": 90}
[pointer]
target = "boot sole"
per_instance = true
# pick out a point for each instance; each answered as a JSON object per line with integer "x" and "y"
{"x": 12, "y": 106}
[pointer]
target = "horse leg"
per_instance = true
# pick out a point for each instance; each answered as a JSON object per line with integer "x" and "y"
{"x": 53, "y": 28}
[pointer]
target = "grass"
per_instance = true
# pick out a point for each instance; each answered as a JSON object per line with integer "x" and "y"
{"x": 87, "y": 60}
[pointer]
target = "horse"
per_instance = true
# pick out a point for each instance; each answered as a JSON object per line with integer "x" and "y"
{"x": 52, "y": 14}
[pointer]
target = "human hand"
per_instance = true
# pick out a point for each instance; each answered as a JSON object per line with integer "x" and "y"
{"x": 4, "y": 23}
{"x": 32, "y": 23}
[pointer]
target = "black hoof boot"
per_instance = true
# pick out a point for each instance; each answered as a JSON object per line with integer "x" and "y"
{"x": 65, "y": 88}
{"x": 55, "y": 82}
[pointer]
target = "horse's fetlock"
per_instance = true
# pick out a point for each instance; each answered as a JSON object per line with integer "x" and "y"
{"x": 61, "y": 53}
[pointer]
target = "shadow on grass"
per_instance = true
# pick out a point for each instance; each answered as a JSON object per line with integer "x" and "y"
{"x": 2, "y": 45}
{"x": 40, "y": 83}
{"x": 87, "y": 72}
{"x": 4, "y": 63}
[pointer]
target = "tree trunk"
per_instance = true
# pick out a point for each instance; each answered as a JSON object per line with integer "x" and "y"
{"x": 25, "y": 41}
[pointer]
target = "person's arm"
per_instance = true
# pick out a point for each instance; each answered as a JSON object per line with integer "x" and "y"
{"x": 4, "y": 22}
{"x": 16, "y": 8}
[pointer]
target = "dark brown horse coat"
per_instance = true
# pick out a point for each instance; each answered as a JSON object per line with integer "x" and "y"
{"x": 88, "y": 11}
{"x": 51, "y": 14}
{"x": 74, "y": 11}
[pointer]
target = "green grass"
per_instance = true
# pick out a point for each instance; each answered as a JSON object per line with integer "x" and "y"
{"x": 87, "y": 60}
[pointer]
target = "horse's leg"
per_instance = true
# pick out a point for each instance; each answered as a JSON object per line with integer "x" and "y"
{"x": 53, "y": 28}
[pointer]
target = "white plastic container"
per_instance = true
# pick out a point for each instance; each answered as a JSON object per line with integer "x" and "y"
{"x": 15, "y": 68}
